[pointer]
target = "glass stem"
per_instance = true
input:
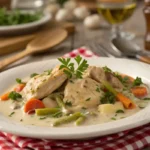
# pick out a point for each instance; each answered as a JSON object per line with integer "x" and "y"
{"x": 116, "y": 31}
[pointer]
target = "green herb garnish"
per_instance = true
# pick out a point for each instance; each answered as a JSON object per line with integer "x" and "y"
{"x": 14, "y": 95}
{"x": 88, "y": 99}
{"x": 147, "y": 98}
{"x": 113, "y": 118}
{"x": 66, "y": 64}
{"x": 98, "y": 89}
{"x": 70, "y": 69}
{"x": 61, "y": 2}
{"x": 122, "y": 79}
{"x": 10, "y": 115}
{"x": 18, "y": 80}
{"x": 106, "y": 69}
{"x": 71, "y": 81}
{"x": 33, "y": 75}
{"x": 108, "y": 98}
{"x": 137, "y": 81}
{"x": 48, "y": 71}
{"x": 120, "y": 111}
{"x": 84, "y": 108}
{"x": 42, "y": 118}
{"x": 68, "y": 103}
{"x": 82, "y": 66}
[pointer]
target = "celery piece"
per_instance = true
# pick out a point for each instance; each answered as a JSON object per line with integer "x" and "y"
{"x": 46, "y": 111}
{"x": 109, "y": 87}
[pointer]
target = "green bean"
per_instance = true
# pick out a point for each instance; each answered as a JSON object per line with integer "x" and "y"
{"x": 62, "y": 105}
{"x": 67, "y": 119}
{"x": 80, "y": 120}
{"x": 60, "y": 102}
{"x": 46, "y": 111}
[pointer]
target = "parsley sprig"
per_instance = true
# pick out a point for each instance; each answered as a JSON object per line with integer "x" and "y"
{"x": 19, "y": 81}
{"x": 15, "y": 96}
{"x": 70, "y": 68}
{"x": 82, "y": 66}
{"x": 68, "y": 103}
{"x": 120, "y": 111}
{"x": 137, "y": 81}
{"x": 33, "y": 75}
{"x": 106, "y": 69}
{"x": 108, "y": 98}
{"x": 12, "y": 113}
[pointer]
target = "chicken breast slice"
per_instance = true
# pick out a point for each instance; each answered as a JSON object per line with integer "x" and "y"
{"x": 42, "y": 85}
{"x": 115, "y": 82}
{"x": 83, "y": 93}
{"x": 95, "y": 73}
{"x": 98, "y": 74}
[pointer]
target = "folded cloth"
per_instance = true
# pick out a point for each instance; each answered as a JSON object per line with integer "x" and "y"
{"x": 135, "y": 139}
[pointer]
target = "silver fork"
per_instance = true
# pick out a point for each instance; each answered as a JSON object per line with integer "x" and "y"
{"x": 99, "y": 49}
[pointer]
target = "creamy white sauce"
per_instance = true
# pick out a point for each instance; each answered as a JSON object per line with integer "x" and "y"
{"x": 27, "y": 119}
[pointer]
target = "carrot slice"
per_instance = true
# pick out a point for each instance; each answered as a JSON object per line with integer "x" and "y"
{"x": 125, "y": 101}
{"x": 19, "y": 88}
{"x": 139, "y": 91}
{"x": 33, "y": 104}
{"x": 5, "y": 97}
{"x": 120, "y": 97}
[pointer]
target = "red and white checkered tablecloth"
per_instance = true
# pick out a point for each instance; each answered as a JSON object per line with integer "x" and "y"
{"x": 135, "y": 139}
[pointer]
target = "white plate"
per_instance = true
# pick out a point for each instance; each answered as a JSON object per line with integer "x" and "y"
{"x": 25, "y": 28}
{"x": 129, "y": 67}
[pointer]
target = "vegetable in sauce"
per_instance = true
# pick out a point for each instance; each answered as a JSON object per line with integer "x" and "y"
{"x": 75, "y": 94}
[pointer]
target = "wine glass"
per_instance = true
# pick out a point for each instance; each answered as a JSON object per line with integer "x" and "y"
{"x": 116, "y": 12}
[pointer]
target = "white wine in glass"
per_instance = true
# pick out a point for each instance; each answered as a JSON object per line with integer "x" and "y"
{"x": 116, "y": 12}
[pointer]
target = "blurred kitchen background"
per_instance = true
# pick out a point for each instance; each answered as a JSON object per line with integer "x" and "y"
{"x": 91, "y": 21}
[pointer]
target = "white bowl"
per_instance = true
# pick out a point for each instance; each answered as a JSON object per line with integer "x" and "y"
{"x": 25, "y": 28}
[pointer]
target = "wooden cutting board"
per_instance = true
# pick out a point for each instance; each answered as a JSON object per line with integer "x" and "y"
{"x": 14, "y": 43}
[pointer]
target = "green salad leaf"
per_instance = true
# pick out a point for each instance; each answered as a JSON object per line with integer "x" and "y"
{"x": 16, "y": 17}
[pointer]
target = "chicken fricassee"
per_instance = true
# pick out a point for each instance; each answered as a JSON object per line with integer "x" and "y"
{"x": 72, "y": 96}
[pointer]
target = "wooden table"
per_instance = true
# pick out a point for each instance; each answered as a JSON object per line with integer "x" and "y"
{"x": 135, "y": 24}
